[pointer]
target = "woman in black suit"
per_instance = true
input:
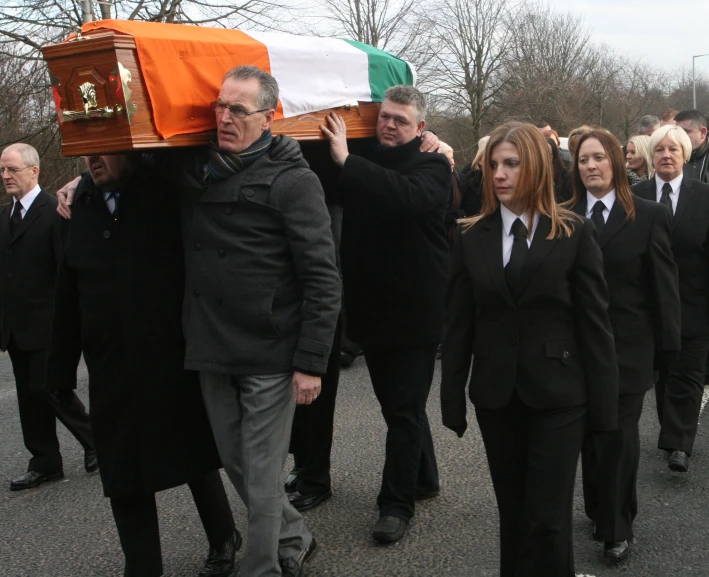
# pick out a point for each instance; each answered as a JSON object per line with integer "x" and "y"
{"x": 644, "y": 309}
{"x": 528, "y": 298}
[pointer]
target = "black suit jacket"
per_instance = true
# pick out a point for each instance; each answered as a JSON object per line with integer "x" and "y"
{"x": 643, "y": 290}
{"x": 553, "y": 344}
{"x": 29, "y": 260}
{"x": 690, "y": 248}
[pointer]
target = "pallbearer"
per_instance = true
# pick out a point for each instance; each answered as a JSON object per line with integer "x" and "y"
{"x": 644, "y": 309}
{"x": 528, "y": 299}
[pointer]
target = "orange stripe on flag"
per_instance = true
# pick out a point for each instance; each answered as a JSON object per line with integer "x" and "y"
{"x": 183, "y": 67}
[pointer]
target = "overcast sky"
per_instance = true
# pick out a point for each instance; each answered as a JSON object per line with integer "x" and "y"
{"x": 663, "y": 33}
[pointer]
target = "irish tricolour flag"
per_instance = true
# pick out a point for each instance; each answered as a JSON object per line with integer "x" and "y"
{"x": 183, "y": 68}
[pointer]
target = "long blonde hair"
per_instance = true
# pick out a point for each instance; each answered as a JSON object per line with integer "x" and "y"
{"x": 535, "y": 187}
{"x": 642, "y": 149}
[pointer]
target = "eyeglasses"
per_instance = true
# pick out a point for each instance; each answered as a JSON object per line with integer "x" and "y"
{"x": 13, "y": 170}
{"x": 235, "y": 111}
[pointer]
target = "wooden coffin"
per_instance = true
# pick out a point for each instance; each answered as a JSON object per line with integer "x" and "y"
{"x": 103, "y": 105}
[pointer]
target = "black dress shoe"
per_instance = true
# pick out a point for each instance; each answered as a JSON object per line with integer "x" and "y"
{"x": 90, "y": 461}
{"x": 220, "y": 561}
{"x": 389, "y": 529}
{"x": 616, "y": 551}
{"x": 293, "y": 566}
{"x": 678, "y": 461}
{"x": 33, "y": 479}
{"x": 306, "y": 502}
{"x": 291, "y": 482}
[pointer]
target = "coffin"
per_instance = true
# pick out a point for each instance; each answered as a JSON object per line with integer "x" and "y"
{"x": 124, "y": 85}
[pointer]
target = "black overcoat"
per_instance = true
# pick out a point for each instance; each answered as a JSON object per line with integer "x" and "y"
{"x": 552, "y": 344}
{"x": 119, "y": 298}
{"x": 643, "y": 289}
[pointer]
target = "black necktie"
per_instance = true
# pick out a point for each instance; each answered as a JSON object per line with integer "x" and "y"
{"x": 16, "y": 216}
{"x": 513, "y": 270}
{"x": 597, "y": 216}
{"x": 665, "y": 198}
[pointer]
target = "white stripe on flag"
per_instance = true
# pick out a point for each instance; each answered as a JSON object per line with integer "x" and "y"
{"x": 316, "y": 73}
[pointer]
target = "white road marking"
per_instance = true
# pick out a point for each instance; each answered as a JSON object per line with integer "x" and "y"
{"x": 705, "y": 398}
{"x": 584, "y": 575}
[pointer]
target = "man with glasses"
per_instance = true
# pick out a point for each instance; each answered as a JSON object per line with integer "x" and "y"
{"x": 261, "y": 302}
{"x": 31, "y": 242}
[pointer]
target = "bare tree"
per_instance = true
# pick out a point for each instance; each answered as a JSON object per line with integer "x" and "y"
{"x": 471, "y": 46}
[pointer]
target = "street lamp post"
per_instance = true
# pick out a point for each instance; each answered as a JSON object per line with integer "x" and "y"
{"x": 694, "y": 81}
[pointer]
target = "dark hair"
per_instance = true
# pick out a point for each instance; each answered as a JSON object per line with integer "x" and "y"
{"x": 669, "y": 115}
{"x": 541, "y": 123}
{"x": 617, "y": 161}
{"x": 268, "y": 93}
{"x": 408, "y": 95}
{"x": 648, "y": 121}
{"x": 693, "y": 115}
{"x": 558, "y": 166}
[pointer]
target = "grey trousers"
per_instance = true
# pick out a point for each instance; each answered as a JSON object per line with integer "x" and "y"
{"x": 251, "y": 417}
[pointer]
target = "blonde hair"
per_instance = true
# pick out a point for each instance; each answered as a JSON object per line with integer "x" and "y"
{"x": 574, "y": 137}
{"x": 482, "y": 144}
{"x": 643, "y": 150}
{"x": 676, "y": 134}
{"x": 535, "y": 187}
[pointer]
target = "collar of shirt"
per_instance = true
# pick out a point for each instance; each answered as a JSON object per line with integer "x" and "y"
{"x": 675, "y": 183}
{"x": 509, "y": 217}
{"x": 27, "y": 200}
{"x": 608, "y": 200}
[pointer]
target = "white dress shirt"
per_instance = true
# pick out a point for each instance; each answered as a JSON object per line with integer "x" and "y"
{"x": 508, "y": 219}
{"x": 26, "y": 200}
{"x": 608, "y": 200}
{"x": 675, "y": 183}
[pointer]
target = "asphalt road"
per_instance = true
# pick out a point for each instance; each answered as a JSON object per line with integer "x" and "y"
{"x": 65, "y": 529}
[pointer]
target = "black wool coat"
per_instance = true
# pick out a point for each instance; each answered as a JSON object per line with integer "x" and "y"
{"x": 394, "y": 251}
{"x": 552, "y": 344}
{"x": 119, "y": 298}
{"x": 690, "y": 249}
{"x": 28, "y": 270}
{"x": 643, "y": 289}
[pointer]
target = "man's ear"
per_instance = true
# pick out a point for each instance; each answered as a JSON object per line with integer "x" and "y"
{"x": 703, "y": 131}
{"x": 270, "y": 115}
{"x": 419, "y": 128}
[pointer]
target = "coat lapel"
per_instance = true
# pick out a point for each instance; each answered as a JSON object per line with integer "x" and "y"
{"x": 5, "y": 225}
{"x": 538, "y": 251}
{"x": 32, "y": 214}
{"x": 685, "y": 196}
{"x": 580, "y": 208}
{"x": 616, "y": 221}
{"x": 492, "y": 251}
{"x": 647, "y": 190}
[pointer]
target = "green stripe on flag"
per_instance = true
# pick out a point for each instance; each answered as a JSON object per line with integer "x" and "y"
{"x": 385, "y": 70}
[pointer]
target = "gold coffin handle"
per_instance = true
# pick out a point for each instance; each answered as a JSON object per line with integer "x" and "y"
{"x": 105, "y": 112}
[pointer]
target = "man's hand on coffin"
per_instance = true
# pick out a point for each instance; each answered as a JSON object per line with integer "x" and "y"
{"x": 306, "y": 388}
{"x": 429, "y": 142}
{"x": 336, "y": 133}
{"x": 65, "y": 196}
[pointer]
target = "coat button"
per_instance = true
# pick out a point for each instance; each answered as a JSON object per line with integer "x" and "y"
{"x": 565, "y": 354}
{"x": 227, "y": 210}
{"x": 221, "y": 253}
{"x": 106, "y": 234}
{"x": 198, "y": 246}
{"x": 513, "y": 342}
{"x": 195, "y": 292}
{"x": 249, "y": 193}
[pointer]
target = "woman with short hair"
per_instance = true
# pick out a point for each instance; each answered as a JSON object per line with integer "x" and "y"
{"x": 527, "y": 297}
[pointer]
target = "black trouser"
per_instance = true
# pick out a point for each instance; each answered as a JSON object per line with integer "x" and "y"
{"x": 39, "y": 412}
{"x": 610, "y": 472}
{"x": 137, "y": 524}
{"x": 679, "y": 392}
{"x": 401, "y": 378}
{"x": 311, "y": 435}
{"x": 532, "y": 456}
